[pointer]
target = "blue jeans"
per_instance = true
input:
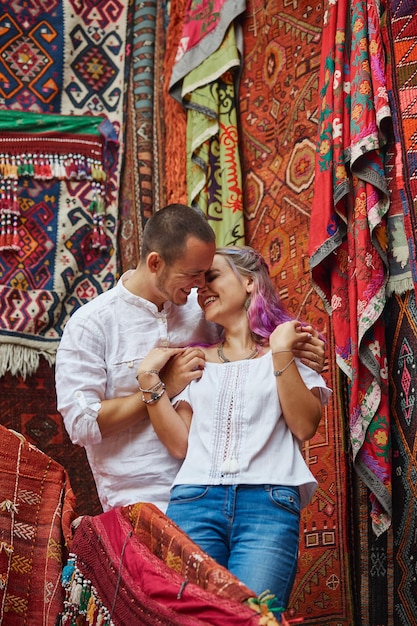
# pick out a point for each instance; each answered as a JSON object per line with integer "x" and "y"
{"x": 252, "y": 530}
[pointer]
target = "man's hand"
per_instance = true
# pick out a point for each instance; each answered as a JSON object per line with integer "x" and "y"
{"x": 182, "y": 368}
{"x": 312, "y": 351}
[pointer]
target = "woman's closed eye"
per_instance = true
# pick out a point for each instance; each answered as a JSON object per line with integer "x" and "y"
{"x": 210, "y": 276}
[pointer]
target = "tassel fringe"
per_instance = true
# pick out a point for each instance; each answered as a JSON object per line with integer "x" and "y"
{"x": 22, "y": 360}
{"x": 17, "y": 166}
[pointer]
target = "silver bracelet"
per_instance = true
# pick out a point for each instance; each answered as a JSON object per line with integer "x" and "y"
{"x": 280, "y": 351}
{"x": 152, "y": 389}
{"x": 279, "y": 372}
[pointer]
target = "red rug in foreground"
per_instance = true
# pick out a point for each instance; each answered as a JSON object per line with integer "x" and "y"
{"x": 36, "y": 511}
{"x": 29, "y": 407}
{"x": 137, "y": 567}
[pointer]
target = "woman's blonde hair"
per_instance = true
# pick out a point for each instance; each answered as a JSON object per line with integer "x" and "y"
{"x": 265, "y": 309}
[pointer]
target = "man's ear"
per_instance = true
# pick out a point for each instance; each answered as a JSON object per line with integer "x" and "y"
{"x": 154, "y": 262}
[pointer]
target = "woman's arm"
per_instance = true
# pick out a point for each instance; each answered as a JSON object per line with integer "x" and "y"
{"x": 180, "y": 367}
{"x": 170, "y": 424}
{"x": 301, "y": 407}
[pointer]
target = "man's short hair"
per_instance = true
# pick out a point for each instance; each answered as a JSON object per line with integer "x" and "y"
{"x": 167, "y": 231}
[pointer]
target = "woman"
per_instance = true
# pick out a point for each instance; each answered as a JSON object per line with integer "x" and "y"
{"x": 243, "y": 482}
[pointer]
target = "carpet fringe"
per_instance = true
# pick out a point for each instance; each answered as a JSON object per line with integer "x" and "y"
{"x": 399, "y": 287}
{"x": 22, "y": 360}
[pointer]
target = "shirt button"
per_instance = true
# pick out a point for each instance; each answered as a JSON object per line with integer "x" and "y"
{"x": 130, "y": 364}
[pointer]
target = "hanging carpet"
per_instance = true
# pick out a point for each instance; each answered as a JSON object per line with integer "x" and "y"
{"x": 46, "y": 249}
{"x": 401, "y": 34}
{"x": 203, "y": 80}
{"x": 401, "y": 40}
{"x": 348, "y": 238}
{"x": 278, "y": 99}
{"x": 401, "y": 247}
{"x": 59, "y": 224}
{"x": 150, "y": 160}
{"x": 402, "y": 348}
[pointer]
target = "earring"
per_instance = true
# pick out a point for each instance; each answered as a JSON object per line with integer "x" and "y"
{"x": 247, "y": 303}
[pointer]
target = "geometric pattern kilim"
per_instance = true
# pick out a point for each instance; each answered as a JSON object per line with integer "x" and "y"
{"x": 35, "y": 516}
{"x": 402, "y": 348}
{"x": 68, "y": 59}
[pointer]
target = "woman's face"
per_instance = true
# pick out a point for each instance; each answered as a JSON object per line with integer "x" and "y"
{"x": 224, "y": 293}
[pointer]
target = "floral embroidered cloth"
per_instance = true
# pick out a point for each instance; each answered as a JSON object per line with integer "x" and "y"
{"x": 348, "y": 237}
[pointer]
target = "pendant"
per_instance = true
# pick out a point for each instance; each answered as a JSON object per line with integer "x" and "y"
{"x": 230, "y": 466}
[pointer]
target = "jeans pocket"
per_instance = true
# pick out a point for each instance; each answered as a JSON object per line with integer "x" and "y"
{"x": 187, "y": 493}
{"x": 287, "y": 498}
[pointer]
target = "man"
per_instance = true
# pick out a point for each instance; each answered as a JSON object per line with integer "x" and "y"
{"x": 106, "y": 339}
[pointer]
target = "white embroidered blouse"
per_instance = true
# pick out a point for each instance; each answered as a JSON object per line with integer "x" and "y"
{"x": 238, "y": 434}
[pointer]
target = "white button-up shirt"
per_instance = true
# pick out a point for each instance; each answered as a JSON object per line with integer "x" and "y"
{"x": 101, "y": 348}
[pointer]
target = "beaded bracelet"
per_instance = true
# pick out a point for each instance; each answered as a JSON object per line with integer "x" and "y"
{"x": 154, "y": 396}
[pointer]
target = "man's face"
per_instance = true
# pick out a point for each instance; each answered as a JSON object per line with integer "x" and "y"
{"x": 176, "y": 281}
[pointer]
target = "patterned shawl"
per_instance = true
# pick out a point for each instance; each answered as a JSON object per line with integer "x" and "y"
{"x": 203, "y": 80}
{"x": 348, "y": 237}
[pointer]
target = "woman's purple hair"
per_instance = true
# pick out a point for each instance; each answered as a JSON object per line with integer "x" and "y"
{"x": 265, "y": 310}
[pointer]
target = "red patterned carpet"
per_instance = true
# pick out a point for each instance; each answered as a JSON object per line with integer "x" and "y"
{"x": 35, "y": 516}
{"x": 29, "y": 407}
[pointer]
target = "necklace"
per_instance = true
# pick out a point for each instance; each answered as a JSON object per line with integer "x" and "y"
{"x": 224, "y": 359}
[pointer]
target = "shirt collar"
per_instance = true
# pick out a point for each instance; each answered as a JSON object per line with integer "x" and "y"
{"x": 138, "y": 301}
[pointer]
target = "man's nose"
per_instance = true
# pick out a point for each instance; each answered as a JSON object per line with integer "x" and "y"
{"x": 200, "y": 281}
